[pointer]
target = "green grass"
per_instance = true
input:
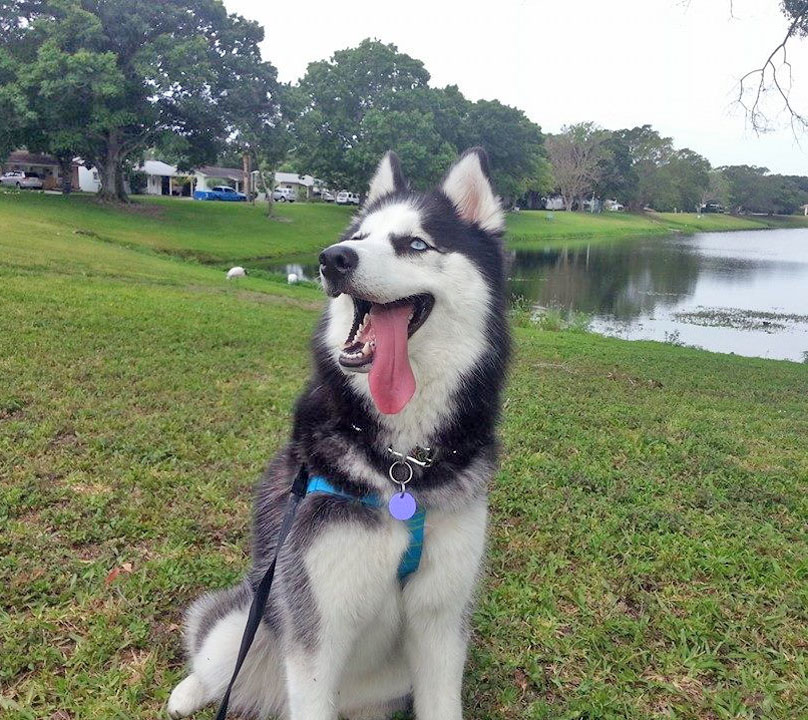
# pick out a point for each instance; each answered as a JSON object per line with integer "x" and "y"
{"x": 206, "y": 231}
{"x": 528, "y": 227}
{"x": 690, "y": 222}
{"x": 227, "y": 233}
{"x": 648, "y": 554}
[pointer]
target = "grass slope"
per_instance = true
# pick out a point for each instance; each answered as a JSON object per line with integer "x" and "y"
{"x": 226, "y": 233}
{"x": 648, "y": 554}
{"x": 207, "y": 231}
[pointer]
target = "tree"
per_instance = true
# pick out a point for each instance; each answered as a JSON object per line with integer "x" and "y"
{"x": 261, "y": 133}
{"x": 371, "y": 98}
{"x": 575, "y": 155}
{"x": 14, "y": 108}
{"x": 649, "y": 151}
{"x": 774, "y": 76}
{"x": 515, "y": 147}
{"x": 177, "y": 66}
{"x": 336, "y": 95}
{"x": 689, "y": 175}
{"x": 750, "y": 188}
{"x": 717, "y": 190}
{"x": 60, "y": 88}
{"x": 617, "y": 178}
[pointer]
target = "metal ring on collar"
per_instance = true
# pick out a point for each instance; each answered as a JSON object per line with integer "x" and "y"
{"x": 392, "y": 477}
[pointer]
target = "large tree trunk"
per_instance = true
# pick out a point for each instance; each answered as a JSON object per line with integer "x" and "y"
{"x": 568, "y": 200}
{"x": 112, "y": 170}
{"x": 66, "y": 173}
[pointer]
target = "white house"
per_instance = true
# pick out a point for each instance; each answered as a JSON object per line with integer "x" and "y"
{"x": 209, "y": 176}
{"x": 165, "y": 179}
{"x": 302, "y": 184}
{"x": 89, "y": 180}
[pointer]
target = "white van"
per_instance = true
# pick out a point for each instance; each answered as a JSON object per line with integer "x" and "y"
{"x": 347, "y": 198}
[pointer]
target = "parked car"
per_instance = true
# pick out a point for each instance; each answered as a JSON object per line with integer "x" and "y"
{"x": 284, "y": 194}
{"x": 347, "y": 198}
{"x": 22, "y": 180}
{"x": 713, "y": 208}
{"x": 220, "y": 192}
{"x": 327, "y": 196}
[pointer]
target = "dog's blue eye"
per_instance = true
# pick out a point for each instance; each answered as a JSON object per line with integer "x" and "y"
{"x": 418, "y": 244}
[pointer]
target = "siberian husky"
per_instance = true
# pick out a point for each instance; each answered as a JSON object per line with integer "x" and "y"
{"x": 409, "y": 361}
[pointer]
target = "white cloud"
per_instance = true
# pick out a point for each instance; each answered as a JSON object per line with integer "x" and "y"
{"x": 673, "y": 64}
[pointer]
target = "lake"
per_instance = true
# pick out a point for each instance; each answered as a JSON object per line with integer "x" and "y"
{"x": 741, "y": 292}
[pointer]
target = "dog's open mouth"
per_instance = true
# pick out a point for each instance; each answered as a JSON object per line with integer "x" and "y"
{"x": 377, "y": 343}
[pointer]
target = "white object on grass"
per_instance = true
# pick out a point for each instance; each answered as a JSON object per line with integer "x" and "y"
{"x": 292, "y": 278}
{"x": 235, "y": 272}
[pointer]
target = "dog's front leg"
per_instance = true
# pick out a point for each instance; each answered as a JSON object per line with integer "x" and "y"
{"x": 311, "y": 681}
{"x": 437, "y": 600}
{"x": 348, "y": 579}
{"x": 437, "y": 654}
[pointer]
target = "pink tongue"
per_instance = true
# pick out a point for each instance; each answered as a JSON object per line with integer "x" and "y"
{"x": 392, "y": 383}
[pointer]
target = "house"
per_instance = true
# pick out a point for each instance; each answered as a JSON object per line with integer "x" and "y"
{"x": 556, "y": 202}
{"x": 89, "y": 181}
{"x": 208, "y": 176}
{"x": 302, "y": 184}
{"x": 165, "y": 179}
{"x": 46, "y": 166}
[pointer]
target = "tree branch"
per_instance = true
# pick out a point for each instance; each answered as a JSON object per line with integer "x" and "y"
{"x": 767, "y": 79}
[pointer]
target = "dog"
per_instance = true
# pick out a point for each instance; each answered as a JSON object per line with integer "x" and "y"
{"x": 403, "y": 402}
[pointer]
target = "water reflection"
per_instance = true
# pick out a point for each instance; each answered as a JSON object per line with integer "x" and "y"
{"x": 743, "y": 292}
{"x": 621, "y": 279}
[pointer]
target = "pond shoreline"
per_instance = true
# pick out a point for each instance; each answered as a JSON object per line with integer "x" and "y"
{"x": 735, "y": 293}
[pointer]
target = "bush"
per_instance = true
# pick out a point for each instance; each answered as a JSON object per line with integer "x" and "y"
{"x": 137, "y": 182}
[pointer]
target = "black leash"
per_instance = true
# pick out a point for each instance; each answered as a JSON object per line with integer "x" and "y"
{"x": 299, "y": 487}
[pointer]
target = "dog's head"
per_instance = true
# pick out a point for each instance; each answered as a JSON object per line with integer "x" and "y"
{"x": 416, "y": 283}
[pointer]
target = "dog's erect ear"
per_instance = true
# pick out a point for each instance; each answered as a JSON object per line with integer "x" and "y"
{"x": 468, "y": 186}
{"x": 387, "y": 179}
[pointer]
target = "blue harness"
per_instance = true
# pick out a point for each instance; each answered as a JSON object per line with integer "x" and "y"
{"x": 412, "y": 557}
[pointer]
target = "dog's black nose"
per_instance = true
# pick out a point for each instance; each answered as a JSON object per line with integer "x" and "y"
{"x": 337, "y": 261}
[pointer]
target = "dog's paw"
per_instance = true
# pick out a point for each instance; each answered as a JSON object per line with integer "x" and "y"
{"x": 188, "y": 697}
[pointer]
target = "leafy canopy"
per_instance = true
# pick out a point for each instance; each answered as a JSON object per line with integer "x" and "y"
{"x": 133, "y": 74}
{"x": 372, "y": 98}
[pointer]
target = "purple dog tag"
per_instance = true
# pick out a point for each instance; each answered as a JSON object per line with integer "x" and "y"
{"x": 402, "y": 506}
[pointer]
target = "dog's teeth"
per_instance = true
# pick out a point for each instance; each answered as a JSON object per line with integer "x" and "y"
{"x": 366, "y": 349}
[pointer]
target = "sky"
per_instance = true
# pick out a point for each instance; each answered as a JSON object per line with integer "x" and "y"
{"x": 671, "y": 63}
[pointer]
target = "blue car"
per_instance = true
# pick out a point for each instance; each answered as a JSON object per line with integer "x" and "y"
{"x": 220, "y": 192}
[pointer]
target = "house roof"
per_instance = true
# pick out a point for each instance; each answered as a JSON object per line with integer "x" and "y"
{"x": 158, "y": 167}
{"x": 294, "y": 179}
{"x": 24, "y": 157}
{"x": 221, "y": 172}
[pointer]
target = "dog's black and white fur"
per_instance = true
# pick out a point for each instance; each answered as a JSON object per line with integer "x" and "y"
{"x": 342, "y": 637}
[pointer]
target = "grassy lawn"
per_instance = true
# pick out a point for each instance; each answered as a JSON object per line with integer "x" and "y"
{"x": 648, "y": 553}
{"x": 226, "y": 233}
{"x": 690, "y": 222}
{"x": 206, "y": 231}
